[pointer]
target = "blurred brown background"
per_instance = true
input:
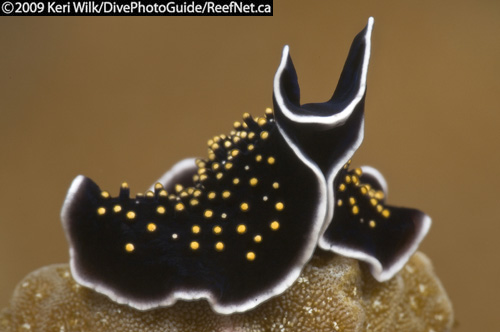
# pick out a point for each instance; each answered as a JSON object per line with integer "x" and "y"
{"x": 124, "y": 98}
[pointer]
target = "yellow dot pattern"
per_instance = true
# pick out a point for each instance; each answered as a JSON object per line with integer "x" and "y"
{"x": 363, "y": 199}
{"x": 214, "y": 202}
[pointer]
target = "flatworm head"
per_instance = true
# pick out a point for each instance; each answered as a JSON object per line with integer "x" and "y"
{"x": 239, "y": 234}
{"x": 327, "y": 134}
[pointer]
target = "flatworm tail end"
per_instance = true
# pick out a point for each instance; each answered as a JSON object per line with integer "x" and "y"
{"x": 365, "y": 228}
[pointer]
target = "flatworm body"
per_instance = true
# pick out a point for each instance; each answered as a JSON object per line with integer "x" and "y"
{"x": 237, "y": 227}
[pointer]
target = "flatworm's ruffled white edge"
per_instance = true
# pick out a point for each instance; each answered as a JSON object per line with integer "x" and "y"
{"x": 185, "y": 294}
{"x": 183, "y": 167}
{"x": 376, "y": 269}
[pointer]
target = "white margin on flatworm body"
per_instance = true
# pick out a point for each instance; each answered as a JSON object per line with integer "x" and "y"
{"x": 333, "y": 120}
{"x": 185, "y": 166}
{"x": 376, "y": 269}
{"x": 185, "y": 294}
{"x": 373, "y": 172}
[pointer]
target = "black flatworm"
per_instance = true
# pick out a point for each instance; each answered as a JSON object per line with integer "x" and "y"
{"x": 237, "y": 227}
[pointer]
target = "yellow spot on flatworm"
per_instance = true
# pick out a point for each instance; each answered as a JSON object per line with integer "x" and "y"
{"x": 339, "y": 202}
{"x": 203, "y": 177}
{"x": 244, "y": 206}
{"x": 124, "y": 185}
{"x": 151, "y": 227}
{"x": 226, "y": 194}
{"x": 215, "y": 166}
{"x": 163, "y": 193}
{"x": 348, "y": 179}
{"x": 276, "y": 185}
{"x": 253, "y": 182}
{"x": 237, "y": 124}
{"x": 234, "y": 153}
{"x": 355, "y": 179}
{"x": 197, "y": 193}
{"x": 236, "y": 181}
{"x": 379, "y": 195}
{"x": 210, "y": 142}
{"x": 355, "y": 209}
{"x": 373, "y": 201}
{"x": 129, "y": 247}
{"x": 269, "y": 111}
{"x": 264, "y": 134}
{"x": 194, "y": 245}
{"x": 208, "y": 214}
{"x": 275, "y": 225}
{"x": 179, "y": 207}
{"x": 251, "y": 135}
{"x": 130, "y": 215}
{"x": 257, "y": 238}
{"x": 358, "y": 171}
{"x": 250, "y": 256}
{"x": 215, "y": 146}
{"x": 280, "y": 206}
{"x": 101, "y": 211}
{"x": 194, "y": 202}
{"x": 219, "y": 246}
{"x": 271, "y": 160}
{"x": 386, "y": 213}
{"x": 352, "y": 200}
{"x": 217, "y": 229}
{"x": 117, "y": 208}
{"x": 211, "y": 195}
{"x": 202, "y": 170}
{"x": 227, "y": 144}
{"x": 228, "y": 165}
{"x": 241, "y": 228}
{"x": 160, "y": 209}
{"x": 379, "y": 208}
{"x": 246, "y": 115}
{"x": 178, "y": 188}
{"x": 363, "y": 190}
{"x": 372, "y": 224}
{"x": 104, "y": 194}
{"x": 196, "y": 229}
{"x": 149, "y": 194}
{"x": 250, "y": 146}
{"x": 219, "y": 176}
{"x": 158, "y": 186}
{"x": 258, "y": 157}
{"x": 342, "y": 187}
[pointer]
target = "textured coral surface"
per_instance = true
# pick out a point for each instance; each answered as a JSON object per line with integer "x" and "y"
{"x": 333, "y": 294}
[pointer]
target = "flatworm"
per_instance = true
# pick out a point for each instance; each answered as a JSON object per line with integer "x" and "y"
{"x": 237, "y": 227}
